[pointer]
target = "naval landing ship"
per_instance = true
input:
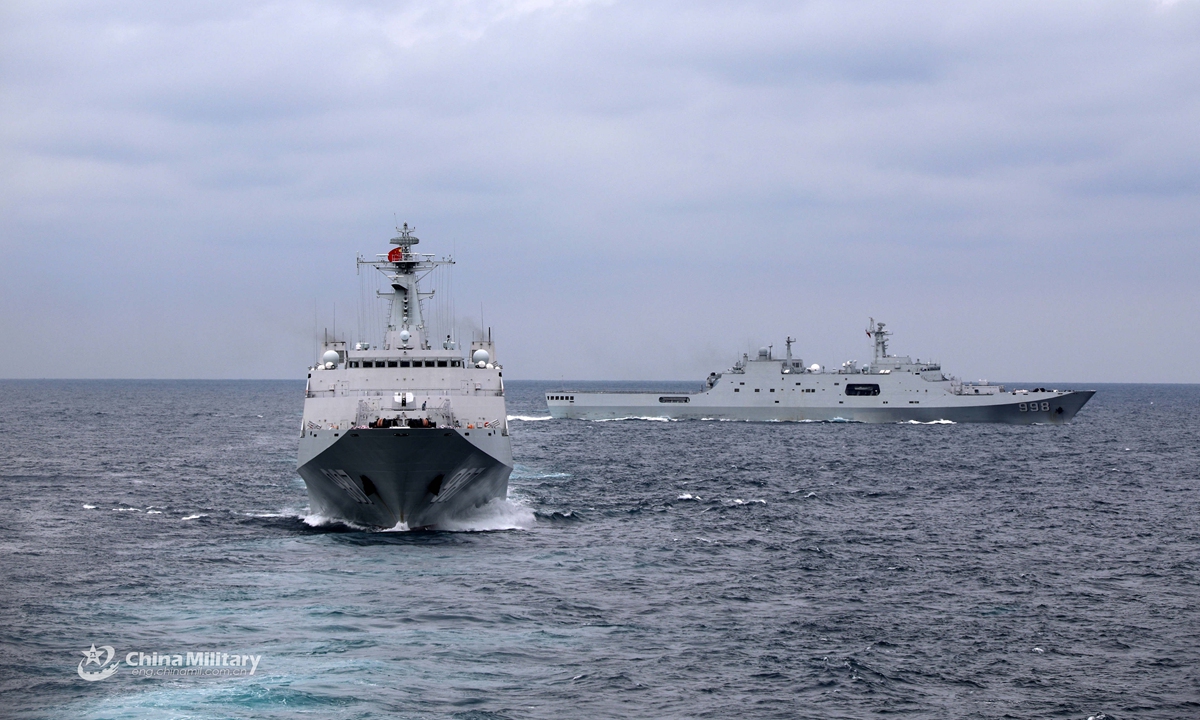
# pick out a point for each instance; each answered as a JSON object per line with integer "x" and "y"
{"x": 407, "y": 433}
{"x": 893, "y": 388}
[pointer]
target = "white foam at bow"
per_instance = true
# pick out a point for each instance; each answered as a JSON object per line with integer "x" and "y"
{"x": 496, "y": 514}
{"x": 318, "y": 520}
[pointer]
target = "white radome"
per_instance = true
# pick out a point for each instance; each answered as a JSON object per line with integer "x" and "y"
{"x": 404, "y": 336}
{"x": 480, "y": 356}
{"x": 331, "y": 356}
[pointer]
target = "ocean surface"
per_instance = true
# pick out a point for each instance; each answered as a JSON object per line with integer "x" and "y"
{"x": 639, "y": 568}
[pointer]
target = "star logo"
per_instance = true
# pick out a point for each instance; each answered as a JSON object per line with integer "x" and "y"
{"x": 94, "y": 656}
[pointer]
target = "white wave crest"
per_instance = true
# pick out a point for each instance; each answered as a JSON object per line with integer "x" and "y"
{"x": 637, "y": 417}
{"x": 89, "y": 507}
{"x": 496, "y": 514}
{"x": 530, "y": 418}
{"x": 739, "y": 501}
{"x": 520, "y": 473}
{"x": 195, "y": 517}
{"x": 931, "y": 422}
{"x": 687, "y": 496}
{"x": 317, "y": 520}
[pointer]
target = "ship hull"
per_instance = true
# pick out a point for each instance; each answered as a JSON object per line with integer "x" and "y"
{"x": 1054, "y": 408}
{"x": 393, "y": 477}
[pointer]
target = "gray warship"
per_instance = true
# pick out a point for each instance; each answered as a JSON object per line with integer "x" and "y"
{"x": 892, "y": 388}
{"x": 406, "y": 434}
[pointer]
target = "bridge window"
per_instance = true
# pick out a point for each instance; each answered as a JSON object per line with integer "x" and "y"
{"x": 391, "y": 363}
{"x": 429, "y": 363}
{"x": 405, "y": 363}
{"x": 352, "y": 364}
{"x": 441, "y": 363}
{"x": 862, "y": 389}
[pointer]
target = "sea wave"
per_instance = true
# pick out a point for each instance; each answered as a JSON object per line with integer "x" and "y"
{"x": 522, "y": 473}
{"x": 496, "y": 514}
{"x": 530, "y": 418}
{"x": 317, "y": 520}
{"x": 638, "y": 417}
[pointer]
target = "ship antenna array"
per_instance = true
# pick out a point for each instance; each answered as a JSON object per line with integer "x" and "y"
{"x": 402, "y": 261}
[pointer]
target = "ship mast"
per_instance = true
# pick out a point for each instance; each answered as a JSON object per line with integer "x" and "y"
{"x": 404, "y": 270}
{"x": 880, "y": 336}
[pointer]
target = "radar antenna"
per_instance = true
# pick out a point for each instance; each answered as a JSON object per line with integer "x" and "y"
{"x": 876, "y": 332}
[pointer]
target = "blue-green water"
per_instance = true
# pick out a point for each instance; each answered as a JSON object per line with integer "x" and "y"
{"x": 639, "y": 569}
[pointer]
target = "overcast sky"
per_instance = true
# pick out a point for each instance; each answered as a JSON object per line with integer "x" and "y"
{"x": 633, "y": 190}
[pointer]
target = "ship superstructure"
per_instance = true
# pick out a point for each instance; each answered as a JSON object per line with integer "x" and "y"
{"x": 408, "y": 432}
{"x": 892, "y": 388}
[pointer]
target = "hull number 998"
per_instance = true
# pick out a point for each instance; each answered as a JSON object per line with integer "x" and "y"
{"x": 1033, "y": 407}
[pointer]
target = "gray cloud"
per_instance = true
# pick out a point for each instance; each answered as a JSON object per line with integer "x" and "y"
{"x": 632, "y": 190}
